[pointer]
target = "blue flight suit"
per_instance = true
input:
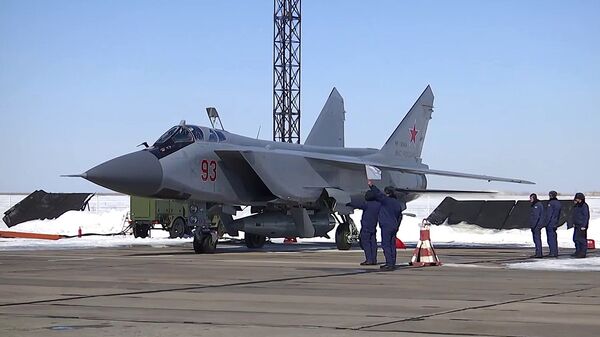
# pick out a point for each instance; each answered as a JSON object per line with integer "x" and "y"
{"x": 552, "y": 216}
{"x": 390, "y": 217}
{"x": 368, "y": 228}
{"x": 580, "y": 219}
{"x": 536, "y": 222}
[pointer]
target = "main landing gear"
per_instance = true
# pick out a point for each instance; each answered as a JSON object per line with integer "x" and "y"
{"x": 346, "y": 233}
{"x": 254, "y": 241}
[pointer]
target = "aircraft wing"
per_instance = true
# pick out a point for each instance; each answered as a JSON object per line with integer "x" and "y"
{"x": 434, "y": 191}
{"x": 341, "y": 160}
{"x": 302, "y": 176}
{"x": 293, "y": 177}
{"x": 417, "y": 170}
{"x": 459, "y": 175}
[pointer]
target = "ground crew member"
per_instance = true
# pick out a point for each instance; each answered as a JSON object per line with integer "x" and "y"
{"x": 368, "y": 226}
{"x": 580, "y": 219}
{"x": 552, "y": 215}
{"x": 390, "y": 217}
{"x": 536, "y": 222}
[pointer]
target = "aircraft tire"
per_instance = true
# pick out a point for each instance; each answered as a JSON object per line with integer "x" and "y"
{"x": 204, "y": 243}
{"x": 197, "y": 244}
{"x": 254, "y": 241}
{"x": 209, "y": 245}
{"x": 177, "y": 229}
{"x": 341, "y": 236}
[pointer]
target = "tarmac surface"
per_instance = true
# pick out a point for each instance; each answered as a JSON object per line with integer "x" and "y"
{"x": 300, "y": 290}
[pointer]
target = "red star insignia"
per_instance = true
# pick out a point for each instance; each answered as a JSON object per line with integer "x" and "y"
{"x": 413, "y": 133}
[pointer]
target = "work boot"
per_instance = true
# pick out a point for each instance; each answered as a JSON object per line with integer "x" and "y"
{"x": 536, "y": 256}
{"x": 365, "y": 263}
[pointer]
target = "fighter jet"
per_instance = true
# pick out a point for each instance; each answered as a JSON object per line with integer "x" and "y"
{"x": 294, "y": 190}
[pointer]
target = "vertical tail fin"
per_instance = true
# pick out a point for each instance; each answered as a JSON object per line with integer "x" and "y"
{"x": 407, "y": 140}
{"x": 328, "y": 130}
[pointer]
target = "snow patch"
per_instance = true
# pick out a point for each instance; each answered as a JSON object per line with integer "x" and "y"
{"x": 587, "y": 264}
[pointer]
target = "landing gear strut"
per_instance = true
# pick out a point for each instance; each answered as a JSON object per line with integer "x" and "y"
{"x": 346, "y": 233}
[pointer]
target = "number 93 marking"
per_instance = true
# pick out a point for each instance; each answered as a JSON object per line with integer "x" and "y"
{"x": 209, "y": 170}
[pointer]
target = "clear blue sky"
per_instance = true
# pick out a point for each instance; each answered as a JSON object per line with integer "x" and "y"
{"x": 516, "y": 82}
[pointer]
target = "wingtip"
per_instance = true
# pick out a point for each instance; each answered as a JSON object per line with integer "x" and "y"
{"x": 526, "y": 182}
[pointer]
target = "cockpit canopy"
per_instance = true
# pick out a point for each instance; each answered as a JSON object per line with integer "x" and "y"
{"x": 183, "y": 135}
{"x": 180, "y": 134}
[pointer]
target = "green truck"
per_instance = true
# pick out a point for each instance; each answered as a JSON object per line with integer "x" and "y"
{"x": 146, "y": 213}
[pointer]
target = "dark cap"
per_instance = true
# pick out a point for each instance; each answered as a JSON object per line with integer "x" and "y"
{"x": 552, "y": 194}
{"x": 579, "y": 196}
{"x": 534, "y": 196}
{"x": 390, "y": 191}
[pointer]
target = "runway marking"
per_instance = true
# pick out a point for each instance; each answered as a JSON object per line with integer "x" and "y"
{"x": 468, "y": 265}
{"x": 476, "y": 307}
{"x": 222, "y": 324}
{"x": 234, "y": 284}
{"x": 298, "y": 326}
{"x": 291, "y": 262}
{"x": 72, "y": 259}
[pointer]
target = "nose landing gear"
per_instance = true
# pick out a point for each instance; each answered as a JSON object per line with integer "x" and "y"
{"x": 205, "y": 240}
{"x": 208, "y": 229}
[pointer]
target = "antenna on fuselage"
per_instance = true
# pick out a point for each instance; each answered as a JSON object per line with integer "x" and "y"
{"x": 258, "y": 133}
{"x": 215, "y": 120}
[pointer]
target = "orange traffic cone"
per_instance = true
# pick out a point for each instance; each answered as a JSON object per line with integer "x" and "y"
{"x": 290, "y": 240}
{"x": 424, "y": 255}
{"x": 79, "y": 232}
{"x": 591, "y": 244}
{"x": 400, "y": 244}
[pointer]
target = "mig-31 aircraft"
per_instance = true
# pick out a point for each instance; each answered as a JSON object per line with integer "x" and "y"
{"x": 294, "y": 190}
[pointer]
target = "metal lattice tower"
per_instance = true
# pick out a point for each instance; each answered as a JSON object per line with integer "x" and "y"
{"x": 286, "y": 71}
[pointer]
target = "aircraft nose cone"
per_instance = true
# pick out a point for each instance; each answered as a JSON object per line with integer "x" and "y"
{"x": 137, "y": 173}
